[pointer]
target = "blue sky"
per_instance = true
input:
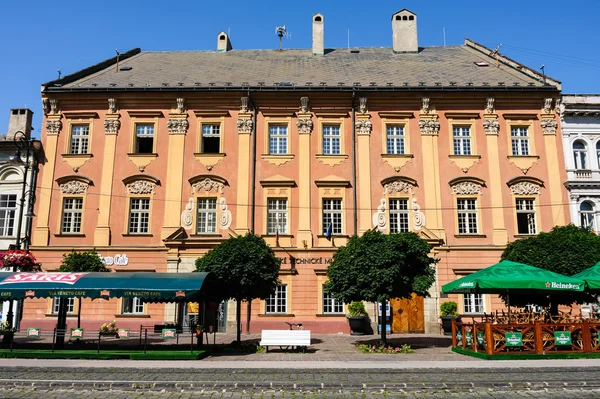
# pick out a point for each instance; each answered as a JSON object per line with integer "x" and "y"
{"x": 38, "y": 37}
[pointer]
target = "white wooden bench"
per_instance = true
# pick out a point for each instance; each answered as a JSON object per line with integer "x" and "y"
{"x": 285, "y": 339}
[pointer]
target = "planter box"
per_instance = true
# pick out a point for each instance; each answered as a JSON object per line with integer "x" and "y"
{"x": 447, "y": 323}
{"x": 358, "y": 324}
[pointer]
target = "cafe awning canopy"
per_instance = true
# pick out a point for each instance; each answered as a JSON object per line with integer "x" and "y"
{"x": 508, "y": 276}
{"x": 591, "y": 276}
{"x": 159, "y": 287}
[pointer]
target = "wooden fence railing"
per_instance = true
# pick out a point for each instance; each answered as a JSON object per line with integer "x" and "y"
{"x": 527, "y": 338}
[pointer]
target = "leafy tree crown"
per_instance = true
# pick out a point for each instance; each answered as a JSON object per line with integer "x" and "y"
{"x": 88, "y": 261}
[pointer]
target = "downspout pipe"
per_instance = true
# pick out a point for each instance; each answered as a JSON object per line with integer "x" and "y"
{"x": 354, "y": 165}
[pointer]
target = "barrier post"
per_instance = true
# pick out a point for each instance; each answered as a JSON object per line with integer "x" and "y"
{"x": 586, "y": 336}
{"x": 140, "y": 336}
{"x": 99, "y": 338}
{"x": 53, "y": 339}
{"x": 191, "y": 341}
{"x": 454, "y": 333}
{"x": 489, "y": 338}
{"x": 145, "y": 340}
{"x": 539, "y": 341}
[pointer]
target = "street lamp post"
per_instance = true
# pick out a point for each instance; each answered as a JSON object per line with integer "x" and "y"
{"x": 22, "y": 142}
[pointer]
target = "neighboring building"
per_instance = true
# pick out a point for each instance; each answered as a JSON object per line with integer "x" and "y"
{"x": 158, "y": 158}
{"x": 580, "y": 121}
{"x": 13, "y": 183}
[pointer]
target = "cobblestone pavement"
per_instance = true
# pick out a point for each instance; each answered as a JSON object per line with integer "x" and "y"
{"x": 113, "y": 394}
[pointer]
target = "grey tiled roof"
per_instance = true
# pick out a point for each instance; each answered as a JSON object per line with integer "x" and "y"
{"x": 431, "y": 67}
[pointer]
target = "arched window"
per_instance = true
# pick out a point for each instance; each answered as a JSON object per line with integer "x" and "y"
{"x": 598, "y": 152}
{"x": 580, "y": 155}
{"x": 586, "y": 215}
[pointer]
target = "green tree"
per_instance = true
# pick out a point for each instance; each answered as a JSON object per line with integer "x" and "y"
{"x": 377, "y": 267}
{"x": 566, "y": 250}
{"x": 246, "y": 268}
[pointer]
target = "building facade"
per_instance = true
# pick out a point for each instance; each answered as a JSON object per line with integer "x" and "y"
{"x": 155, "y": 158}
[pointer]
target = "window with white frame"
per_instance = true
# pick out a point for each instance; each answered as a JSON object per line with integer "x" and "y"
{"x": 395, "y": 139}
{"x": 277, "y": 215}
{"x": 598, "y": 152}
{"x": 56, "y": 304}
{"x": 467, "y": 215}
{"x": 278, "y": 139}
{"x": 586, "y": 215}
{"x": 580, "y": 155}
{"x": 462, "y": 140}
{"x": 144, "y": 138}
{"x": 8, "y": 209}
{"x": 206, "y": 217}
{"x": 71, "y": 215}
{"x": 139, "y": 215}
{"x": 520, "y": 140}
{"x": 133, "y": 305}
{"x": 331, "y": 305}
{"x": 398, "y": 215}
{"x": 211, "y": 138}
{"x": 526, "y": 216}
{"x": 332, "y": 214}
{"x": 277, "y": 302}
{"x": 80, "y": 135}
{"x": 332, "y": 144}
{"x": 473, "y": 303}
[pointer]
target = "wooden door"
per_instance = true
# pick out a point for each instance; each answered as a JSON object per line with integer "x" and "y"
{"x": 408, "y": 315}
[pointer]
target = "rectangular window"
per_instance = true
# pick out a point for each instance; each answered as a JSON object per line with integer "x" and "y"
{"x": 278, "y": 139}
{"x": 473, "y": 303}
{"x": 520, "y": 140}
{"x": 395, "y": 139}
{"x": 71, "y": 215}
{"x": 398, "y": 215}
{"x": 56, "y": 304}
{"x": 467, "y": 216}
{"x": 80, "y": 135}
{"x": 462, "y": 140}
{"x": 526, "y": 216}
{"x": 144, "y": 138}
{"x": 206, "y": 219}
{"x": 330, "y": 304}
{"x": 331, "y": 140}
{"x": 133, "y": 305}
{"x": 8, "y": 209}
{"x": 277, "y": 216}
{"x": 211, "y": 139}
{"x": 139, "y": 215}
{"x": 277, "y": 302}
{"x": 332, "y": 214}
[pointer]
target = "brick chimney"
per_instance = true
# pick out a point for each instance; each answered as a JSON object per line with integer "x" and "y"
{"x": 404, "y": 31}
{"x": 318, "y": 34}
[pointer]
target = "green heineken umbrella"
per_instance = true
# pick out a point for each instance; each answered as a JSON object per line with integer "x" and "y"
{"x": 507, "y": 276}
{"x": 591, "y": 276}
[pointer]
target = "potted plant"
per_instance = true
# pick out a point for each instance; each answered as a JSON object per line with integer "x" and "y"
{"x": 109, "y": 329}
{"x": 448, "y": 312}
{"x": 357, "y": 318}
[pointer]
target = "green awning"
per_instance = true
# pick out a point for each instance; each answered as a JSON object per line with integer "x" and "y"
{"x": 160, "y": 287}
{"x": 591, "y": 276}
{"x": 508, "y": 275}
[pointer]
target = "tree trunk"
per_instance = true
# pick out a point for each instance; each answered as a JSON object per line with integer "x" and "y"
{"x": 249, "y": 312}
{"x": 383, "y": 322}
{"x": 238, "y": 321}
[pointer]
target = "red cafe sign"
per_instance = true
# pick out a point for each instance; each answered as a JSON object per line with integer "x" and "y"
{"x": 63, "y": 278}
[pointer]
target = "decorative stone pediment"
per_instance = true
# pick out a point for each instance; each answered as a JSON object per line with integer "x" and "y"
{"x": 398, "y": 186}
{"x": 525, "y": 188}
{"x": 74, "y": 187}
{"x": 466, "y": 188}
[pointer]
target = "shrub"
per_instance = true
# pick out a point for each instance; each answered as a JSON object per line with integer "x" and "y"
{"x": 356, "y": 309}
{"x": 449, "y": 309}
{"x": 389, "y": 350}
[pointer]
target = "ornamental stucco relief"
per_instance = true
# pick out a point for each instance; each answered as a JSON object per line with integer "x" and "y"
{"x": 112, "y": 105}
{"x": 429, "y": 127}
{"x": 245, "y": 125}
{"x": 305, "y": 125}
{"x": 111, "y": 126}
{"x": 525, "y": 188}
{"x": 489, "y": 105}
{"x": 418, "y": 216}
{"x": 53, "y": 127}
{"x": 74, "y": 187}
{"x": 491, "y": 126}
{"x": 187, "y": 216}
{"x": 398, "y": 186}
{"x": 466, "y": 188}
{"x": 364, "y": 127}
{"x": 380, "y": 217}
{"x": 141, "y": 187}
{"x": 549, "y": 126}
{"x": 207, "y": 185}
{"x": 177, "y": 126}
{"x": 225, "y": 217}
